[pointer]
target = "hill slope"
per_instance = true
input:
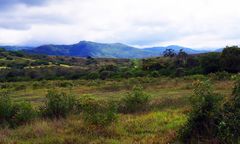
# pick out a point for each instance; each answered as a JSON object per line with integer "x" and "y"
{"x": 160, "y": 50}
{"x": 102, "y": 50}
{"x": 97, "y": 50}
{"x": 16, "y": 48}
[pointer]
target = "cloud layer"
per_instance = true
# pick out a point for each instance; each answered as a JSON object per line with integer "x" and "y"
{"x": 9, "y": 3}
{"x": 197, "y": 24}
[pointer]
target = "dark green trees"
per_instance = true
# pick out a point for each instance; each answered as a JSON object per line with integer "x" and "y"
{"x": 230, "y": 59}
{"x": 211, "y": 63}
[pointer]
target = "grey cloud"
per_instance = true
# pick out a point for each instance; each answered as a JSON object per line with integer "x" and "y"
{"x": 23, "y": 21}
{"x": 10, "y": 3}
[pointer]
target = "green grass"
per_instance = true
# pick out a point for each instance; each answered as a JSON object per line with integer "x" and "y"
{"x": 168, "y": 110}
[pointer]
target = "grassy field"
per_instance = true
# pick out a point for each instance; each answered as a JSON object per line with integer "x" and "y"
{"x": 169, "y": 106}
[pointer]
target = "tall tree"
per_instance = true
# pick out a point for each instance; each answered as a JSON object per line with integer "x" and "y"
{"x": 231, "y": 59}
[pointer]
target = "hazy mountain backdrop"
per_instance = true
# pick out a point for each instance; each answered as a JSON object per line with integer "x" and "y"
{"x": 102, "y": 50}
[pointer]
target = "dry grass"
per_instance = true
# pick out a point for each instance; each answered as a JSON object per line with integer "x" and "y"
{"x": 167, "y": 113}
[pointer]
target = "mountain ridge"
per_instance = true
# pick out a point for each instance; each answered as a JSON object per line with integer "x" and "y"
{"x": 102, "y": 50}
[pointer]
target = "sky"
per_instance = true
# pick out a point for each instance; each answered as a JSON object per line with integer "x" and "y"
{"x": 199, "y": 24}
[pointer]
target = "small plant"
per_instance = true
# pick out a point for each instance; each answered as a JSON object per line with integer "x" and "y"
{"x": 14, "y": 114}
{"x": 135, "y": 101}
{"x": 58, "y": 105}
{"x": 65, "y": 84}
{"x": 105, "y": 75}
{"x": 97, "y": 113}
{"x": 23, "y": 112}
{"x": 93, "y": 76}
{"x": 6, "y": 107}
{"x": 229, "y": 128}
{"x": 220, "y": 76}
{"x": 204, "y": 118}
{"x": 154, "y": 74}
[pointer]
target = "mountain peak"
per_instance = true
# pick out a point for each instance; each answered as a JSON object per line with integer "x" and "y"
{"x": 106, "y": 50}
{"x": 84, "y": 41}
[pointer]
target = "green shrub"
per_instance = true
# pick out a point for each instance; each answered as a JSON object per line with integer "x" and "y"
{"x": 93, "y": 76}
{"x": 204, "y": 118}
{"x": 105, "y": 75}
{"x": 135, "y": 101}
{"x": 20, "y": 87}
{"x": 23, "y": 112}
{"x": 65, "y": 84}
{"x": 127, "y": 74}
{"x": 220, "y": 76}
{"x": 97, "y": 113}
{"x": 58, "y": 105}
{"x": 229, "y": 128}
{"x": 154, "y": 74}
{"x": 180, "y": 72}
{"x": 6, "y": 107}
{"x": 14, "y": 114}
{"x": 196, "y": 77}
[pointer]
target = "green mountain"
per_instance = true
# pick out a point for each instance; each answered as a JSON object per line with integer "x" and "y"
{"x": 101, "y": 50}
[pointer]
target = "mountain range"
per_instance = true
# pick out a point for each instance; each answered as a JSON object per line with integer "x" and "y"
{"x": 102, "y": 50}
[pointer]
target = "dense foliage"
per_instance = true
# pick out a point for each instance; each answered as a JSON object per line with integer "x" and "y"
{"x": 211, "y": 119}
{"x": 135, "y": 101}
{"x": 18, "y": 66}
{"x": 58, "y": 105}
{"x": 230, "y": 122}
{"x": 13, "y": 114}
{"x": 203, "y": 120}
{"x": 98, "y": 113}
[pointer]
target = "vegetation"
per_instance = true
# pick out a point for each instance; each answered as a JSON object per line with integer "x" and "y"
{"x": 229, "y": 126}
{"x": 99, "y": 114}
{"x": 178, "y": 98}
{"x": 14, "y": 114}
{"x": 204, "y": 118}
{"x": 135, "y": 101}
{"x": 212, "y": 120}
{"x": 58, "y": 105}
{"x": 18, "y": 66}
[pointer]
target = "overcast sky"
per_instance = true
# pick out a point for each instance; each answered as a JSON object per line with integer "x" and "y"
{"x": 190, "y": 23}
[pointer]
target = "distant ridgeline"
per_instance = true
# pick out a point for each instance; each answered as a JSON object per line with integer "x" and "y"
{"x": 101, "y": 50}
{"x": 22, "y": 66}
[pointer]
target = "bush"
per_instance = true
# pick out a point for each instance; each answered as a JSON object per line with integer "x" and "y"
{"x": 22, "y": 112}
{"x": 154, "y": 74}
{"x": 14, "y": 114}
{"x": 135, "y": 101}
{"x": 220, "y": 76}
{"x": 105, "y": 75}
{"x": 179, "y": 72}
{"x": 58, "y": 105}
{"x": 6, "y": 107}
{"x": 92, "y": 76}
{"x": 65, "y": 84}
{"x": 204, "y": 118}
{"x": 196, "y": 77}
{"x": 230, "y": 124}
{"x": 97, "y": 113}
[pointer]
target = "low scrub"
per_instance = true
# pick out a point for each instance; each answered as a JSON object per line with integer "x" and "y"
{"x": 135, "y": 101}
{"x": 211, "y": 119}
{"x": 220, "y": 76}
{"x": 204, "y": 118}
{"x": 230, "y": 123}
{"x": 98, "y": 113}
{"x": 58, "y": 105}
{"x": 14, "y": 114}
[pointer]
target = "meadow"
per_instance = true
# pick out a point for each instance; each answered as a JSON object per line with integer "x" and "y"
{"x": 167, "y": 112}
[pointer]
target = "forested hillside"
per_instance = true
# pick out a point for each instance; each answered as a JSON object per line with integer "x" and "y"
{"x": 17, "y": 65}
